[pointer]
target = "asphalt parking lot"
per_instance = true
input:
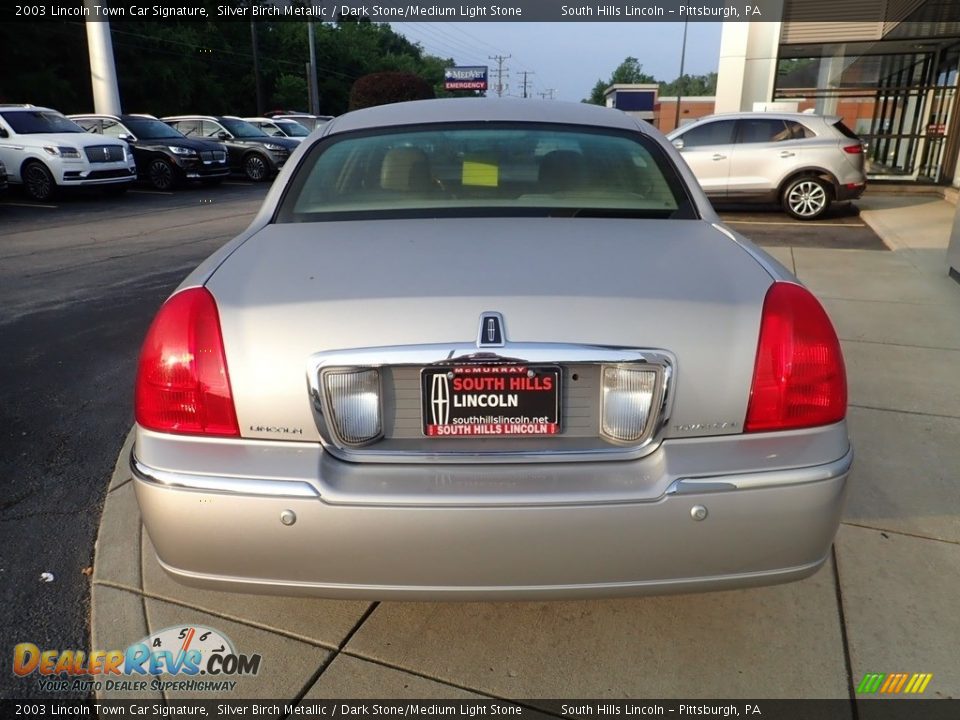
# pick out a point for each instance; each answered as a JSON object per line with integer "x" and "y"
{"x": 841, "y": 228}
{"x": 79, "y": 284}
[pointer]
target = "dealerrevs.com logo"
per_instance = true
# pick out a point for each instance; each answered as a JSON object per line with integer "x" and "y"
{"x": 198, "y": 658}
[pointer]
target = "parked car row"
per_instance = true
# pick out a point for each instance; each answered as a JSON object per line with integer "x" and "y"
{"x": 44, "y": 151}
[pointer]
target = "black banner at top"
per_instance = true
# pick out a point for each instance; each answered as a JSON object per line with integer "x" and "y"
{"x": 119, "y": 11}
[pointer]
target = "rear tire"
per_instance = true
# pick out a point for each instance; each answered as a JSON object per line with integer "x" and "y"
{"x": 38, "y": 182}
{"x": 806, "y": 198}
{"x": 256, "y": 167}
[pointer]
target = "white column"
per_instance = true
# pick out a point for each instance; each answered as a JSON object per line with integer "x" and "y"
{"x": 103, "y": 71}
{"x": 828, "y": 78}
{"x": 953, "y": 249}
{"x": 748, "y": 64}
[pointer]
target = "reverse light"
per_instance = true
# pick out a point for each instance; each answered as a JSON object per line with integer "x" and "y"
{"x": 355, "y": 402}
{"x": 799, "y": 379}
{"x": 182, "y": 380}
{"x": 625, "y": 403}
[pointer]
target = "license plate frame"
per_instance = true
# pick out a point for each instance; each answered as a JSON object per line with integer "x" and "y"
{"x": 510, "y": 400}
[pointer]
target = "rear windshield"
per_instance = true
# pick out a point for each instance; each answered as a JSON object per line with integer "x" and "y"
{"x": 293, "y": 128}
{"x": 488, "y": 170}
{"x": 32, "y": 122}
{"x": 242, "y": 129}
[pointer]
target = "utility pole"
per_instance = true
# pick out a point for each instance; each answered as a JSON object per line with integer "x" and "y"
{"x": 256, "y": 67}
{"x": 525, "y": 73}
{"x": 500, "y": 71}
{"x": 683, "y": 55}
{"x": 314, "y": 92}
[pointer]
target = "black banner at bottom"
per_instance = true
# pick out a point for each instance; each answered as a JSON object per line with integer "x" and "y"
{"x": 869, "y": 709}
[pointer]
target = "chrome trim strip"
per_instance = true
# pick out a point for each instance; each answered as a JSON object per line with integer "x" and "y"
{"x": 754, "y": 481}
{"x": 532, "y": 353}
{"x": 213, "y": 483}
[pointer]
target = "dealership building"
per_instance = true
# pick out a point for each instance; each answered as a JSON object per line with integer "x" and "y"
{"x": 889, "y": 68}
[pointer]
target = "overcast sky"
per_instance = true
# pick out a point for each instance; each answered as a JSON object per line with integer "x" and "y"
{"x": 570, "y": 57}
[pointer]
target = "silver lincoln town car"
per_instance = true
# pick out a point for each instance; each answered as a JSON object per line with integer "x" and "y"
{"x": 489, "y": 349}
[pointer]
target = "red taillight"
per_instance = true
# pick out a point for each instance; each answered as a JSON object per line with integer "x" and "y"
{"x": 853, "y": 149}
{"x": 182, "y": 380}
{"x": 799, "y": 379}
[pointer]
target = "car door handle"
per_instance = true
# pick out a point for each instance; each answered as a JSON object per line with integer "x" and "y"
{"x": 718, "y": 156}
{"x": 787, "y": 154}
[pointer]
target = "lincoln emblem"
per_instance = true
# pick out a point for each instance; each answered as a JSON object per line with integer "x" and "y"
{"x": 491, "y": 332}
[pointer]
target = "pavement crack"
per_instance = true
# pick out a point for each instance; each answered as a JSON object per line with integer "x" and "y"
{"x": 313, "y": 679}
{"x": 903, "y": 533}
{"x": 905, "y": 412}
{"x": 847, "y": 662}
{"x": 125, "y": 482}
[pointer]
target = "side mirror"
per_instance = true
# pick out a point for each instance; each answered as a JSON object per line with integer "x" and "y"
{"x": 4, "y": 133}
{"x": 223, "y": 135}
{"x": 126, "y": 137}
{"x": 678, "y": 143}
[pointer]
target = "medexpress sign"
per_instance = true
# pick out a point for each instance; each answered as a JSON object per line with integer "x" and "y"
{"x": 465, "y": 78}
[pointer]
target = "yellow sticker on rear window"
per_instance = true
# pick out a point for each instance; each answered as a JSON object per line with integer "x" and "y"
{"x": 483, "y": 173}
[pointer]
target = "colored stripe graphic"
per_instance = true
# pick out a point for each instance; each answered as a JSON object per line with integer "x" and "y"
{"x": 870, "y": 683}
{"x": 894, "y": 683}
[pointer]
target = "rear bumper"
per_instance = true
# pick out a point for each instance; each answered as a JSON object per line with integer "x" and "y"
{"x": 230, "y": 533}
{"x": 850, "y": 191}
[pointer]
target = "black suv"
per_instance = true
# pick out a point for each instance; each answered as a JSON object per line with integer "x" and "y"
{"x": 165, "y": 158}
{"x": 252, "y": 152}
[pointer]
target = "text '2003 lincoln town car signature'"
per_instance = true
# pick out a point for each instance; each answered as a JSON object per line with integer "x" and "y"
{"x": 489, "y": 348}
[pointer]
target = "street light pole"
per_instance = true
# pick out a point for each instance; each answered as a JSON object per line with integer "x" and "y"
{"x": 314, "y": 96}
{"x": 683, "y": 55}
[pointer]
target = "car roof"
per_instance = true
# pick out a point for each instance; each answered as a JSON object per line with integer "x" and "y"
{"x": 95, "y": 115}
{"x": 194, "y": 117}
{"x": 26, "y": 107}
{"x": 485, "y": 110}
{"x": 749, "y": 115}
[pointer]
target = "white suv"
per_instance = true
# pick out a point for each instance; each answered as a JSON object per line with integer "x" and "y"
{"x": 44, "y": 151}
{"x": 804, "y": 162}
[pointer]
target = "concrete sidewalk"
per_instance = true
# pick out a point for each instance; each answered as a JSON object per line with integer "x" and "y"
{"x": 885, "y": 603}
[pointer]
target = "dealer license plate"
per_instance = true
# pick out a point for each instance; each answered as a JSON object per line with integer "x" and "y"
{"x": 473, "y": 400}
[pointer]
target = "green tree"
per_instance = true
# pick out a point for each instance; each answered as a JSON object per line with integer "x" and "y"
{"x": 629, "y": 71}
{"x": 384, "y": 88}
{"x": 690, "y": 85}
{"x": 290, "y": 91}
